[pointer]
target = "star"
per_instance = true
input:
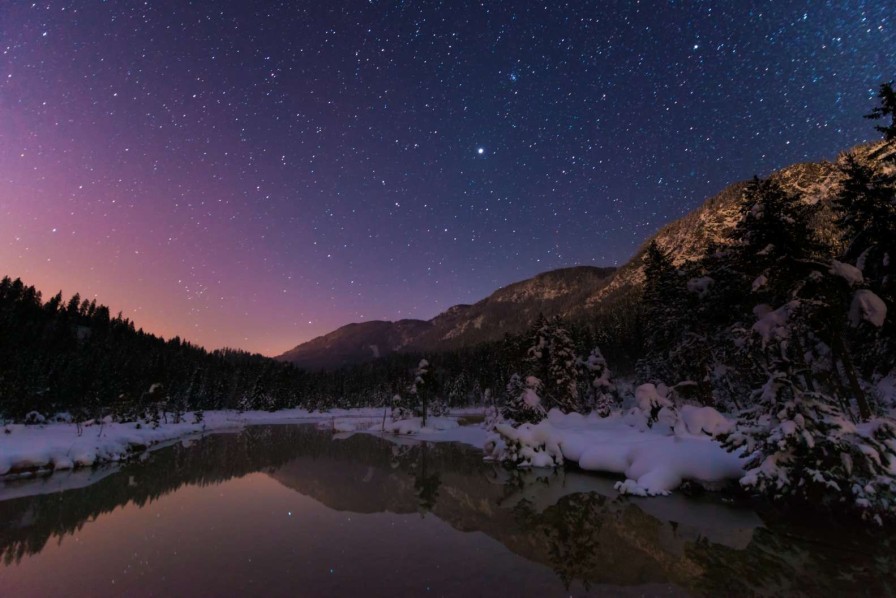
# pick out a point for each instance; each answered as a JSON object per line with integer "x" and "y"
{"x": 311, "y": 154}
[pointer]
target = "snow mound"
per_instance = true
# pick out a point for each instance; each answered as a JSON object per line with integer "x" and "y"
{"x": 868, "y": 307}
{"x": 653, "y": 460}
{"x": 705, "y": 420}
{"x": 771, "y": 324}
{"x": 847, "y": 272}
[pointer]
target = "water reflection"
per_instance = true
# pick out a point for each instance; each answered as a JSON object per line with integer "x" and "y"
{"x": 570, "y": 522}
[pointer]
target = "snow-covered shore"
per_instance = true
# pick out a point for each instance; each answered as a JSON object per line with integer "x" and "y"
{"x": 26, "y": 449}
{"x": 653, "y": 460}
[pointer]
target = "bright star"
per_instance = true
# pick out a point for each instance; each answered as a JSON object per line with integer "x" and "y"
{"x": 480, "y": 151}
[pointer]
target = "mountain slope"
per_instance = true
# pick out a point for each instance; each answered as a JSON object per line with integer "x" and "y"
{"x": 575, "y": 293}
{"x": 355, "y": 343}
{"x": 690, "y": 236}
{"x": 510, "y": 309}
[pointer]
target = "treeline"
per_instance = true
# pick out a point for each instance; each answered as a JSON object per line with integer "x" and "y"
{"x": 70, "y": 355}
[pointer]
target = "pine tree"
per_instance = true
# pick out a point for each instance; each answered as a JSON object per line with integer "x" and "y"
{"x": 801, "y": 449}
{"x": 662, "y": 300}
{"x": 596, "y": 383}
{"x": 552, "y": 360}
{"x": 420, "y": 389}
{"x": 866, "y": 214}
{"x": 887, "y": 109}
{"x": 775, "y": 239}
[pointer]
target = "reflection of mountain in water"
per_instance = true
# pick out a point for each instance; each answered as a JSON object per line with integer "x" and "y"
{"x": 585, "y": 536}
{"x": 557, "y": 519}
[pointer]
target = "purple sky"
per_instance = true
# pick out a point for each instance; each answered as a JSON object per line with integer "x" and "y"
{"x": 254, "y": 177}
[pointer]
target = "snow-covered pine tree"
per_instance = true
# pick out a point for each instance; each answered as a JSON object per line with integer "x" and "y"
{"x": 597, "y": 385}
{"x": 775, "y": 239}
{"x": 552, "y": 359}
{"x": 419, "y": 390}
{"x": 865, "y": 207}
{"x": 799, "y": 435}
{"x": 524, "y": 404}
{"x": 866, "y": 212}
{"x": 564, "y": 392}
{"x": 802, "y": 450}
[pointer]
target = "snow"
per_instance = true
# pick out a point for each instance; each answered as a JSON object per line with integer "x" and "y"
{"x": 847, "y": 272}
{"x": 649, "y": 397}
{"x": 57, "y": 446}
{"x": 700, "y": 286}
{"x": 654, "y": 461}
{"x": 531, "y": 398}
{"x": 771, "y": 324}
{"x": 705, "y": 420}
{"x": 868, "y": 307}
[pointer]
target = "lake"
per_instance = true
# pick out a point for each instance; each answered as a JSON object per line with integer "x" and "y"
{"x": 293, "y": 510}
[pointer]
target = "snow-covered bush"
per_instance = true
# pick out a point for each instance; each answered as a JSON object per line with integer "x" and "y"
{"x": 402, "y": 408}
{"x": 33, "y": 418}
{"x": 699, "y": 421}
{"x": 529, "y": 445}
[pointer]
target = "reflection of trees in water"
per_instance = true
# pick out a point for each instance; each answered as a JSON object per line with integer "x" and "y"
{"x": 417, "y": 460}
{"x": 570, "y": 528}
{"x": 587, "y": 538}
{"x": 786, "y": 560}
{"x": 26, "y": 524}
{"x": 590, "y": 539}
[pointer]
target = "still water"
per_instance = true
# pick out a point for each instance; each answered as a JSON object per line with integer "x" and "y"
{"x": 295, "y": 511}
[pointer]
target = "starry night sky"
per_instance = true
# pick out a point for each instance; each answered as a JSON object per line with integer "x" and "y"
{"x": 254, "y": 176}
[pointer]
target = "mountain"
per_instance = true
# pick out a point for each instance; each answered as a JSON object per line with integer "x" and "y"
{"x": 572, "y": 292}
{"x": 690, "y": 236}
{"x": 356, "y": 343}
{"x": 511, "y": 309}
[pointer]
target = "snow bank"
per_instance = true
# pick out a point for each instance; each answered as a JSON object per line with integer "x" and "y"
{"x": 654, "y": 461}
{"x": 415, "y": 425}
{"x": 58, "y": 446}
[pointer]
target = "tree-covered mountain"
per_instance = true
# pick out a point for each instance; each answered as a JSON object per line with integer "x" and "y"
{"x": 509, "y": 310}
